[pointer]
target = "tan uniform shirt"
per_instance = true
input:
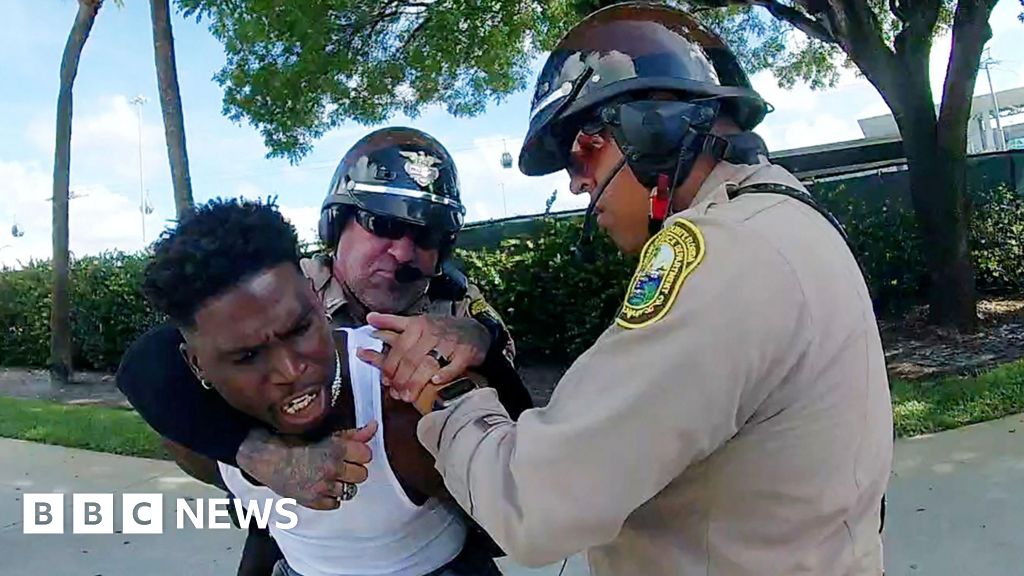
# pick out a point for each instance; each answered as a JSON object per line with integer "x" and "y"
{"x": 735, "y": 420}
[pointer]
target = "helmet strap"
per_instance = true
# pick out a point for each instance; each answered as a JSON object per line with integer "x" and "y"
{"x": 663, "y": 194}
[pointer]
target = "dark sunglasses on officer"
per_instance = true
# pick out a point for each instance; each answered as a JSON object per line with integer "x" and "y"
{"x": 394, "y": 229}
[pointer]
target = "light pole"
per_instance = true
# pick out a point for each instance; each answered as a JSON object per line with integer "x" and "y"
{"x": 506, "y": 164}
{"x": 1000, "y": 140}
{"x": 138, "y": 101}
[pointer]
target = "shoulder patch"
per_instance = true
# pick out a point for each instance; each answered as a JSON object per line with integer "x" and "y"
{"x": 477, "y": 306}
{"x": 667, "y": 259}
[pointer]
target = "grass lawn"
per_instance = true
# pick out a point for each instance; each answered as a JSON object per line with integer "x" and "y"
{"x": 113, "y": 430}
{"x": 932, "y": 406}
{"x": 919, "y": 407}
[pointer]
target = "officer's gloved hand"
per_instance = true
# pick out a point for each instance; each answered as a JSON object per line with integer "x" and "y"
{"x": 425, "y": 349}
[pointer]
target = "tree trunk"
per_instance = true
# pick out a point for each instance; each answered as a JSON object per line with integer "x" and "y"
{"x": 937, "y": 191}
{"x": 937, "y": 188}
{"x": 170, "y": 104}
{"x": 936, "y": 151}
{"x": 60, "y": 311}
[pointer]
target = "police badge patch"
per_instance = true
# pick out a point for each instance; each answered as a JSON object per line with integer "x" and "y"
{"x": 667, "y": 259}
{"x": 420, "y": 167}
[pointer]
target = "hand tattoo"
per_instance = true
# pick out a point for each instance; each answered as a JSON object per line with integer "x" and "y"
{"x": 292, "y": 470}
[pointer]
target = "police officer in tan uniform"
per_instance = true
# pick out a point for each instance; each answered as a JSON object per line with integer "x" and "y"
{"x": 735, "y": 418}
{"x": 390, "y": 221}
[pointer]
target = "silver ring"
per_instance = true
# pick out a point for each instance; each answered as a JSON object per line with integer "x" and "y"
{"x": 442, "y": 360}
{"x": 348, "y": 491}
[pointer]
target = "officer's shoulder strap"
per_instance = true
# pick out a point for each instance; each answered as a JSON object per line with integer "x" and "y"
{"x": 794, "y": 193}
{"x": 451, "y": 284}
{"x": 800, "y": 196}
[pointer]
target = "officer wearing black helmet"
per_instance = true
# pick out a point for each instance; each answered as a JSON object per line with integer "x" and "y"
{"x": 735, "y": 418}
{"x": 390, "y": 220}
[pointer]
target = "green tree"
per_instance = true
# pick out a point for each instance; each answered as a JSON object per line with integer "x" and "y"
{"x": 890, "y": 43}
{"x": 296, "y": 69}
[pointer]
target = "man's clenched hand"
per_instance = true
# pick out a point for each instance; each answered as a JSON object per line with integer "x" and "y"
{"x": 313, "y": 474}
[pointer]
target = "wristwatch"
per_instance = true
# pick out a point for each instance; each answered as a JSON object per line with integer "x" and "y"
{"x": 451, "y": 393}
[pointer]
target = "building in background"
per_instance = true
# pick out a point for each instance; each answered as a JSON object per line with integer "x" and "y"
{"x": 983, "y": 130}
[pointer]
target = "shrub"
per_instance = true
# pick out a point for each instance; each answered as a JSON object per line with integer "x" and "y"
{"x": 886, "y": 242}
{"x": 108, "y": 311}
{"x": 25, "y": 315}
{"x": 555, "y": 306}
{"x": 997, "y": 241}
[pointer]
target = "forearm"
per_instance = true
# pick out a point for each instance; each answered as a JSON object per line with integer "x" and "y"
{"x": 261, "y": 456}
{"x": 195, "y": 465}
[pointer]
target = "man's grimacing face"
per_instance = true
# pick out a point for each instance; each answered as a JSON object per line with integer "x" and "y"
{"x": 266, "y": 346}
{"x": 367, "y": 265}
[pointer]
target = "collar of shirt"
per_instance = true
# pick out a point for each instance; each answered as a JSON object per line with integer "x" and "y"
{"x": 726, "y": 176}
{"x": 339, "y": 302}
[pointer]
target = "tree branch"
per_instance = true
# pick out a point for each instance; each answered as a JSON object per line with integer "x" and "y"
{"x": 897, "y": 10}
{"x": 859, "y": 34}
{"x": 798, "y": 20}
{"x": 971, "y": 31}
{"x": 914, "y": 41}
{"x": 411, "y": 38}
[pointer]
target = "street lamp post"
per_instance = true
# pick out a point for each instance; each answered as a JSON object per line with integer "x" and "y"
{"x": 1000, "y": 139}
{"x": 138, "y": 101}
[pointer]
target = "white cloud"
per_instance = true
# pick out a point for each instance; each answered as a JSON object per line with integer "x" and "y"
{"x": 105, "y": 143}
{"x": 250, "y": 191}
{"x": 818, "y": 130}
{"x": 304, "y": 218}
{"x": 99, "y": 219}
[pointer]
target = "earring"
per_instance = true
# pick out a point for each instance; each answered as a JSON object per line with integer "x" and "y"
{"x": 205, "y": 384}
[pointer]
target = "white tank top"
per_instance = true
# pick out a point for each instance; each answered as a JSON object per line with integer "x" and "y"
{"x": 380, "y": 531}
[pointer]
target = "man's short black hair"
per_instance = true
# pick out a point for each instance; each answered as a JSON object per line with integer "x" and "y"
{"x": 212, "y": 250}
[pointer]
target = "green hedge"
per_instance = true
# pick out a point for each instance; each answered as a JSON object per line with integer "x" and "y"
{"x": 108, "y": 311}
{"x": 554, "y": 305}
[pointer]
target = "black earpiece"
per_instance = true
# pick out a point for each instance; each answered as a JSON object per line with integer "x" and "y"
{"x": 661, "y": 136}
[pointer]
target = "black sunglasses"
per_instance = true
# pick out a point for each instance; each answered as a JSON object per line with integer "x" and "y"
{"x": 395, "y": 229}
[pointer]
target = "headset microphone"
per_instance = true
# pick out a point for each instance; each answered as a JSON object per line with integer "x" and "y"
{"x": 407, "y": 274}
{"x": 583, "y": 251}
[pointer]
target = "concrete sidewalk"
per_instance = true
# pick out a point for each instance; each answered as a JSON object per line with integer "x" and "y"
{"x": 956, "y": 507}
{"x": 26, "y": 467}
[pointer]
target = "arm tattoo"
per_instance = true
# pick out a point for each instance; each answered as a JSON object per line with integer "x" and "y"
{"x": 292, "y": 469}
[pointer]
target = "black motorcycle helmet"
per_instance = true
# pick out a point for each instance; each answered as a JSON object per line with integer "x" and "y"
{"x": 398, "y": 172}
{"x": 623, "y": 51}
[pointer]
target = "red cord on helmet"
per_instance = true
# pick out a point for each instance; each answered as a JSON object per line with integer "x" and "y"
{"x": 659, "y": 199}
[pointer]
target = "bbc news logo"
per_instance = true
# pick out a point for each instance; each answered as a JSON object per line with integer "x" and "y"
{"x": 144, "y": 513}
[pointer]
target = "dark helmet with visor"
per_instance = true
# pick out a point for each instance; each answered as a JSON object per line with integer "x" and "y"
{"x": 396, "y": 172}
{"x": 626, "y": 51}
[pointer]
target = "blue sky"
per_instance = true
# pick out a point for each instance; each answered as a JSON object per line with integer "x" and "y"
{"x": 228, "y": 159}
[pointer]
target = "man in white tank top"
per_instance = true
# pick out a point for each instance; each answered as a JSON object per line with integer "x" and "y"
{"x": 256, "y": 334}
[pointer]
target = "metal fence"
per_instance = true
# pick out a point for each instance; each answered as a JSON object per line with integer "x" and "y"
{"x": 873, "y": 173}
